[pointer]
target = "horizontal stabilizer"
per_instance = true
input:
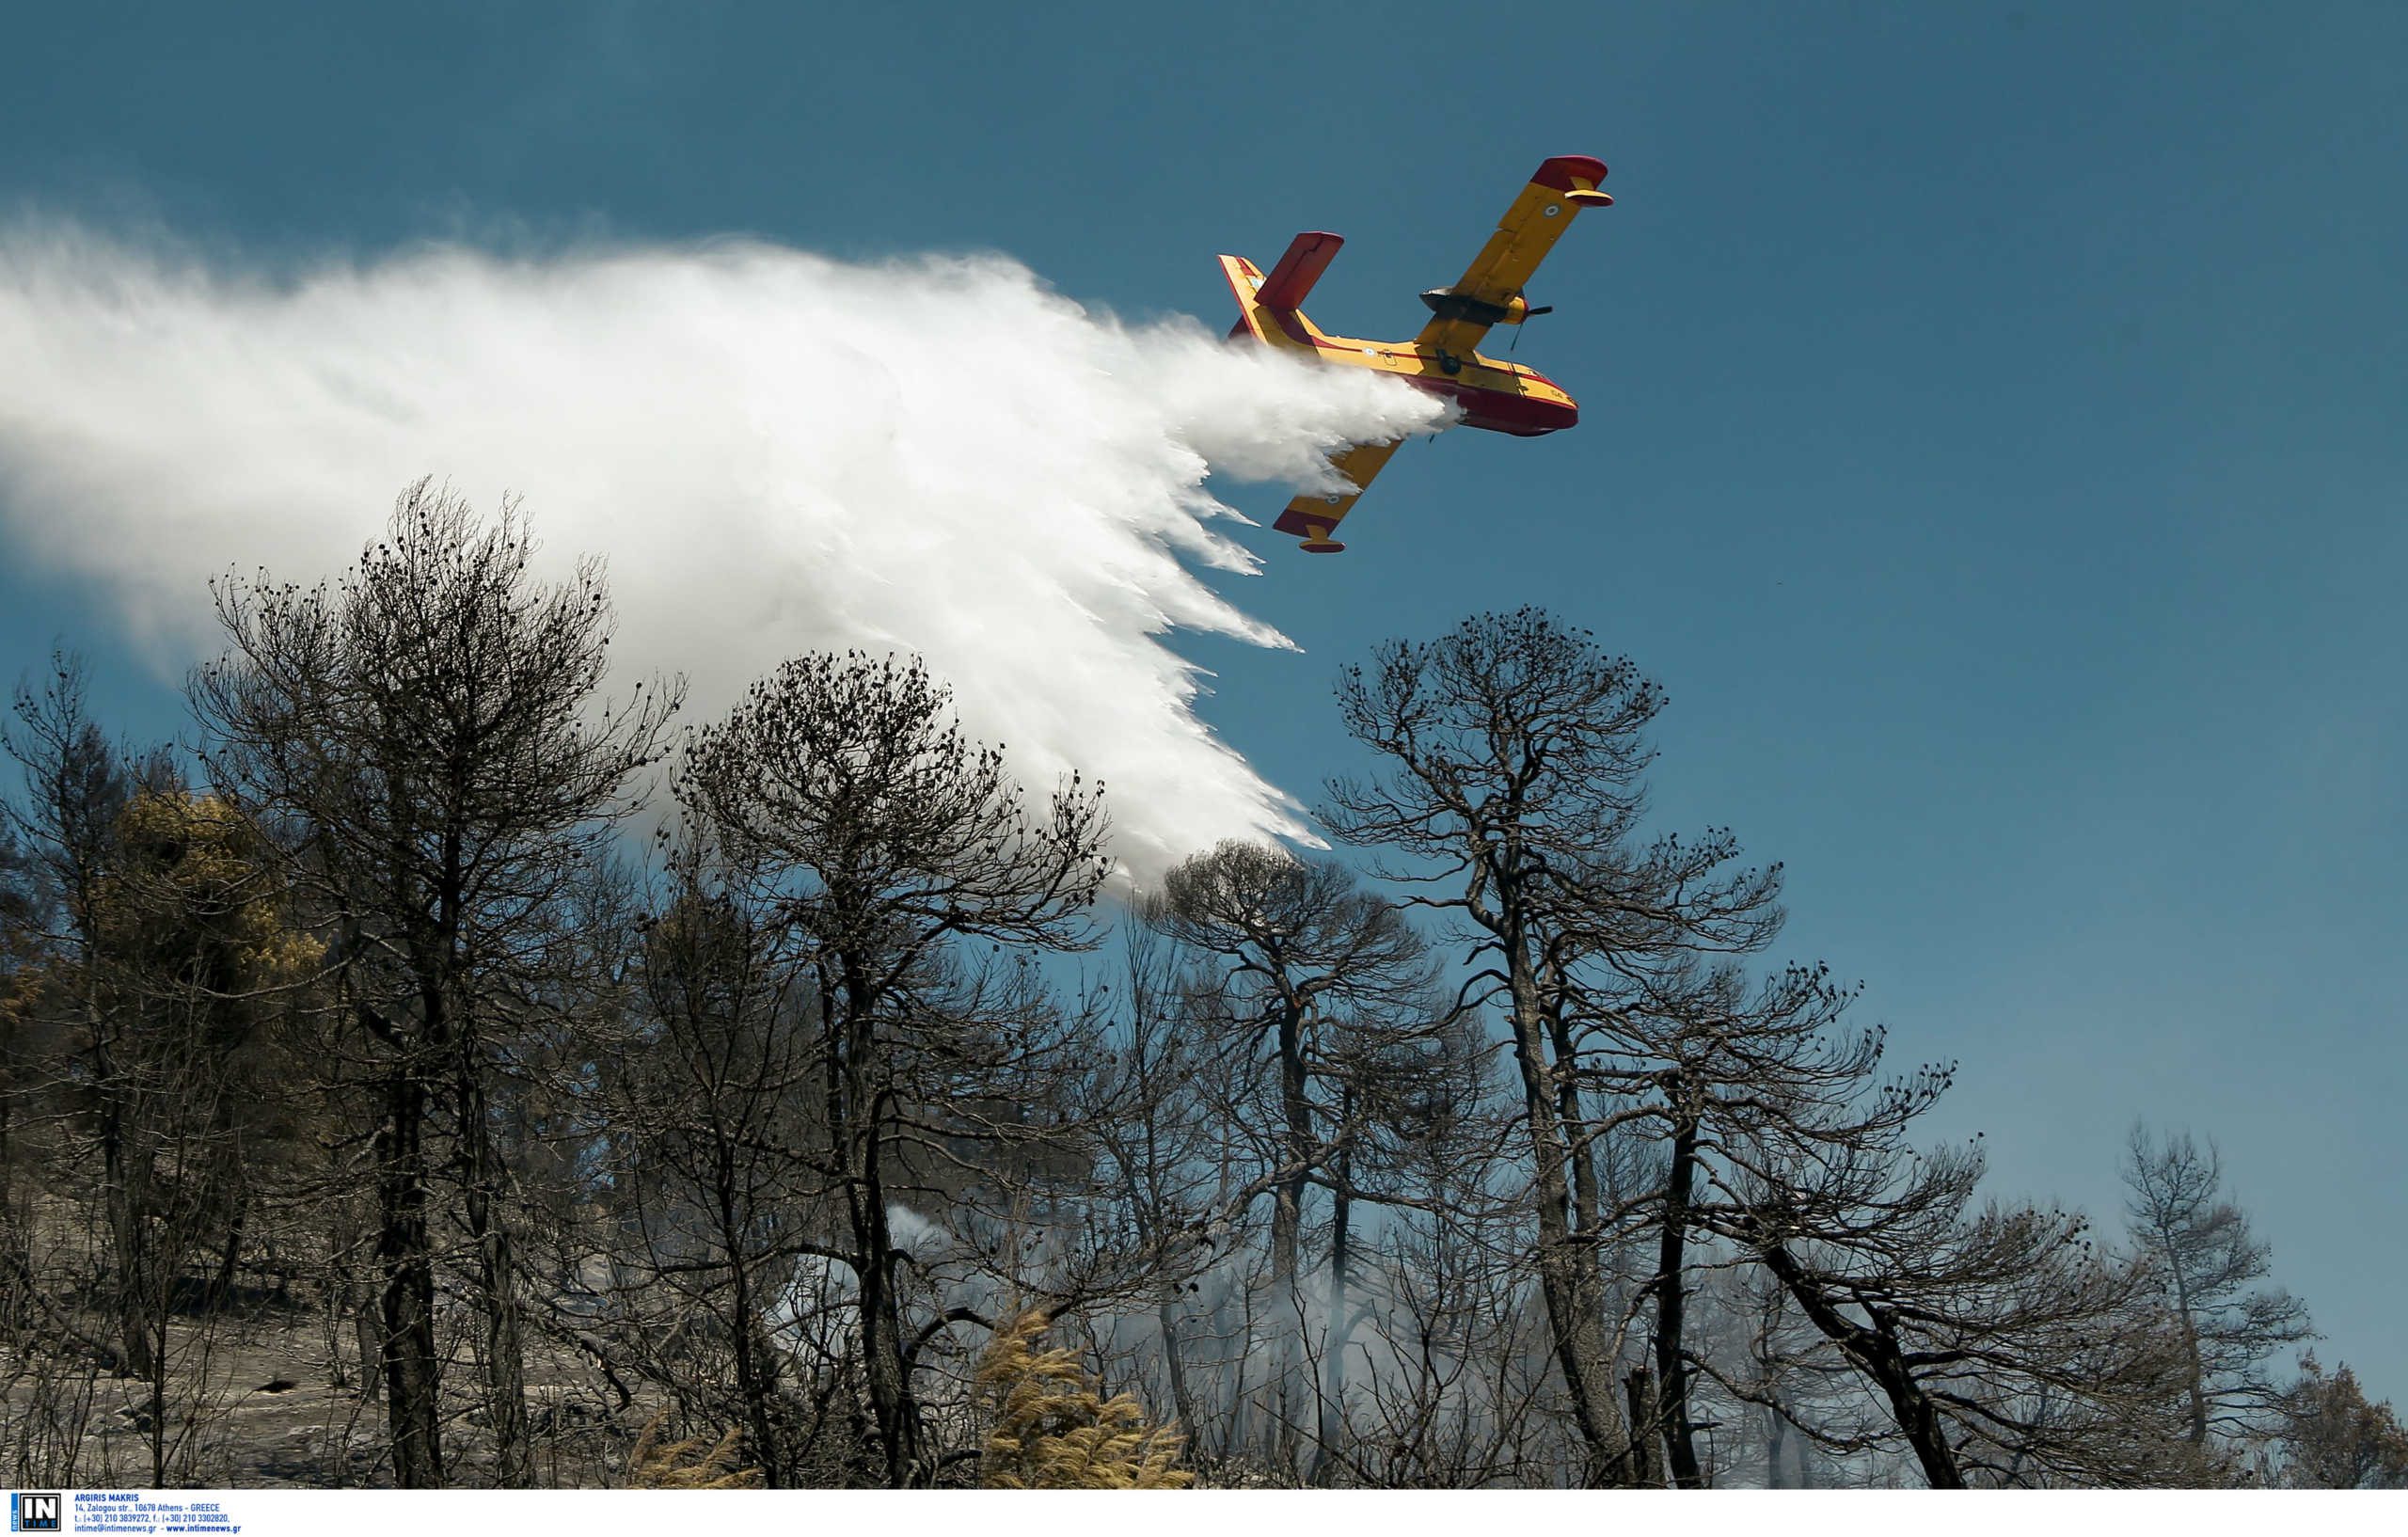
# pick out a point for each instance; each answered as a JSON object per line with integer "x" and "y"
{"x": 1309, "y": 256}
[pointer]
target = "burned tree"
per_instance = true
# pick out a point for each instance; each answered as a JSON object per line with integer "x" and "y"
{"x": 2202, "y": 1254}
{"x": 154, "y": 955}
{"x": 202, "y": 962}
{"x": 2330, "y": 1436}
{"x": 877, "y": 838}
{"x": 1510, "y": 789}
{"x": 709, "y": 1104}
{"x": 2005, "y": 1345}
{"x": 1153, "y": 1134}
{"x": 78, "y": 785}
{"x": 427, "y": 738}
{"x": 22, "y": 944}
{"x": 1706, "y": 1064}
{"x": 1317, "y": 997}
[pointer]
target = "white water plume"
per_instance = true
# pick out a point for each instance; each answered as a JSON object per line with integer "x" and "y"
{"x": 775, "y": 451}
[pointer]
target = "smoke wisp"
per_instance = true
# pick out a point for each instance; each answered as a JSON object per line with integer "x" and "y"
{"x": 775, "y": 451}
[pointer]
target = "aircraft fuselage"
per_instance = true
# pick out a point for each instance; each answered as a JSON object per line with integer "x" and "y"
{"x": 1497, "y": 396}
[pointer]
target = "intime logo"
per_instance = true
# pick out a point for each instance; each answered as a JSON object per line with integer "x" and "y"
{"x": 33, "y": 1512}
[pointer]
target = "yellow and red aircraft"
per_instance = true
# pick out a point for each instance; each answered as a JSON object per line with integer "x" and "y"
{"x": 1501, "y": 397}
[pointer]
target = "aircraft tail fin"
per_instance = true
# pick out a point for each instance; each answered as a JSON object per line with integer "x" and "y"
{"x": 1268, "y": 306}
{"x": 1307, "y": 257}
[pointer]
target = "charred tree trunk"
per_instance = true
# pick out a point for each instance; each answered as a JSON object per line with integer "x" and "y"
{"x": 16, "y": 1256}
{"x": 121, "y": 1175}
{"x": 18, "y": 1289}
{"x": 405, "y": 1260}
{"x": 2196, "y": 1383}
{"x": 883, "y": 1367}
{"x": 756, "y": 1374}
{"x": 1287, "y": 1238}
{"x": 1671, "y": 1260}
{"x": 123, "y": 1193}
{"x": 1569, "y": 1278}
{"x": 229, "y": 1259}
{"x": 336, "y": 1295}
{"x": 368, "y": 1333}
{"x": 1585, "y": 1188}
{"x": 1341, "y": 1329}
{"x": 861, "y": 1133}
{"x": 497, "y": 1289}
{"x": 1641, "y": 1388}
{"x": 1174, "y": 1360}
{"x": 1876, "y": 1352}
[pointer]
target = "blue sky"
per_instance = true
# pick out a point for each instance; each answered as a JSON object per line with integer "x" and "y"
{"x": 1990, "y": 433}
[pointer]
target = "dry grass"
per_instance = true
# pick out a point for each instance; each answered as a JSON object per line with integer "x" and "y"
{"x": 1053, "y": 1430}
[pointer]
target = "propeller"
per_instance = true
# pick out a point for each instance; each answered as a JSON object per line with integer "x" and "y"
{"x": 1528, "y": 315}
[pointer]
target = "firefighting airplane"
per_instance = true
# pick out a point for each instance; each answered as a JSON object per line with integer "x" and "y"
{"x": 1501, "y": 397}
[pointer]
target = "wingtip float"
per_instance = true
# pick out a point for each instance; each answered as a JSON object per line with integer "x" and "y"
{"x": 1497, "y": 396}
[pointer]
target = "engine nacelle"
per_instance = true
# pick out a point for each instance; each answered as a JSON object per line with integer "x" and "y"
{"x": 1447, "y": 304}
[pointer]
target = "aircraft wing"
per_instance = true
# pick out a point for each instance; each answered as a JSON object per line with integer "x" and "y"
{"x": 1312, "y": 518}
{"x": 1558, "y": 191}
